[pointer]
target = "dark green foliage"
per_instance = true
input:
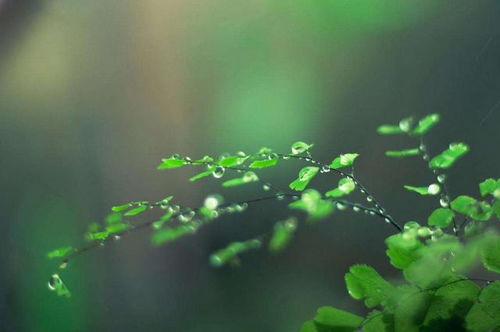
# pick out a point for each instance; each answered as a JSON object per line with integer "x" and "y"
{"x": 433, "y": 293}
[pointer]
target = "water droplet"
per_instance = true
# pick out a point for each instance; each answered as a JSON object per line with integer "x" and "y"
{"x": 369, "y": 198}
{"x": 218, "y": 172}
{"x": 188, "y": 160}
{"x": 241, "y": 154}
{"x": 186, "y": 215}
{"x": 285, "y": 157}
{"x": 411, "y": 225}
{"x": 387, "y": 220}
{"x": 266, "y": 187}
{"x": 406, "y": 124}
{"x": 280, "y": 196}
{"x": 54, "y": 282}
{"x": 215, "y": 260}
{"x": 272, "y": 156}
{"x": 422, "y": 147}
{"x": 341, "y": 206}
{"x": 116, "y": 237}
{"x": 63, "y": 265}
{"x": 444, "y": 201}
{"x": 325, "y": 169}
{"x": 250, "y": 177}
{"x": 212, "y": 202}
{"x": 441, "y": 178}
{"x": 425, "y": 157}
{"x": 372, "y": 213}
{"x": 356, "y": 208}
{"x": 434, "y": 189}
{"x": 241, "y": 207}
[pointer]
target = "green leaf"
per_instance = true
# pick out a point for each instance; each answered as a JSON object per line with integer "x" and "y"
{"x": 263, "y": 163}
{"x": 229, "y": 253}
{"x": 402, "y": 249}
{"x": 119, "y": 208}
{"x": 116, "y": 228}
{"x": 449, "y": 156}
{"x": 171, "y": 163}
{"x": 246, "y": 178}
{"x": 136, "y": 210}
{"x": 330, "y": 319}
{"x": 345, "y": 187}
{"x": 232, "y": 161}
{"x": 308, "y": 326}
{"x": 426, "y": 123}
{"x": 59, "y": 252}
{"x": 403, "y": 153}
{"x": 410, "y": 311}
{"x": 344, "y": 160}
{"x": 312, "y": 203}
{"x": 490, "y": 255}
{"x": 488, "y": 186}
{"x": 94, "y": 236}
{"x": 363, "y": 282}
{"x": 441, "y": 217}
{"x": 451, "y": 301}
{"x": 389, "y": 130}
{"x": 202, "y": 175}
{"x": 166, "y": 235}
{"x": 485, "y": 313}
{"x": 306, "y": 174}
{"x": 377, "y": 321}
{"x": 432, "y": 189}
{"x": 469, "y": 206}
{"x": 282, "y": 234}
{"x": 163, "y": 219}
{"x": 300, "y": 147}
{"x": 113, "y": 218}
{"x": 496, "y": 208}
{"x": 57, "y": 285}
{"x": 204, "y": 160}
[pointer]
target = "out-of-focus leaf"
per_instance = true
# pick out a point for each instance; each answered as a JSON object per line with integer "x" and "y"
{"x": 490, "y": 255}
{"x": 426, "y": 124}
{"x": 59, "y": 252}
{"x": 246, "y": 178}
{"x": 166, "y": 235}
{"x": 282, "y": 234}
{"x": 403, "y": 153}
{"x": 488, "y": 186}
{"x": 329, "y": 319}
{"x": 171, "y": 163}
{"x": 136, "y": 211}
{"x": 312, "y": 203}
{"x": 202, "y": 174}
{"x": 301, "y": 147}
{"x": 389, "y": 130}
{"x": 227, "y": 254}
{"x": 263, "y": 163}
{"x": 345, "y": 187}
{"x": 485, "y": 313}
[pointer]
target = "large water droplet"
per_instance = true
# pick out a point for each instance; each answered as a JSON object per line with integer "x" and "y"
{"x": 369, "y": 198}
{"x": 213, "y": 201}
{"x": 218, "y": 172}
{"x": 356, "y": 208}
{"x": 250, "y": 177}
{"x": 54, "y": 282}
{"x": 441, "y": 178}
{"x": 266, "y": 187}
{"x": 444, "y": 201}
{"x": 341, "y": 206}
{"x": 434, "y": 189}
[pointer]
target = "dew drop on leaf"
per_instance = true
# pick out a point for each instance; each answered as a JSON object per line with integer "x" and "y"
{"x": 218, "y": 172}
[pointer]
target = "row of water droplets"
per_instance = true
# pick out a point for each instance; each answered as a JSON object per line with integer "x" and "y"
{"x": 436, "y": 188}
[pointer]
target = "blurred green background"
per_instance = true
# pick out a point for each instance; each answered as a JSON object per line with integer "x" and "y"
{"x": 94, "y": 93}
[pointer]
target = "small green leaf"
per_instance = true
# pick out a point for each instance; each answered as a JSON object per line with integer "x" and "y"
{"x": 204, "y": 160}
{"x": 232, "y": 161}
{"x": 59, "y": 252}
{"x": 403, "y": 153}
{"x": 329, "y": 319}
{"x": 345, "y": 187}
{"x": 119, "y": 208}
{"x": 263, "y": 163}
{"x": 117, "y": 228}
{"x": 463, "y": 204}
{"x": 389, "y": 130}
{"x": 113, "y": 218}
{"x": 432, "y": 189}
{"x": 300, "y": 147}
{"x": 344, "y": 160}
{"x": 282, "y": 234}
{"x": 171, "y": 163}
{"x": 496, "y": 208}
{"x": 488, "y": 186}
{"x": 201, "y": 175}
{"x": 448, "y": 157}
{"x": 96, "y": 236}
{"x": 441, "y": 217}
{"x": 136, "y": 210}
{"x": 246, "y": 178}
{"x": 306, "y": 174}
{"x": 229, "y": 253}
{"x": 426, "y": 123}
{"x": 312, "y": 203}
{"x": 363, "y": 282}
{"x": 402, "y": 249}
{"x": 163, "y": 219}
{"x": 490, "y": 255}
{"x": 166, "y": 235}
